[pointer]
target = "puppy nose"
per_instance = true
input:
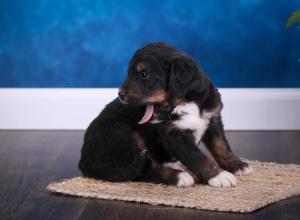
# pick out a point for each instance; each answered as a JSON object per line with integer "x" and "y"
{"x": 121, "y": 94}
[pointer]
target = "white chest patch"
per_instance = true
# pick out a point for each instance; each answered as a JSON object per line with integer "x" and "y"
{"x": 190, "y": 118}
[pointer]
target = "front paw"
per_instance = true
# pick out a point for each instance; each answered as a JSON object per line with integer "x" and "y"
{"x": 236, "y": 166}
{"x": 184, "y": 180}
{"x": 244, "y": 170}
{"x": 223, "y": 179}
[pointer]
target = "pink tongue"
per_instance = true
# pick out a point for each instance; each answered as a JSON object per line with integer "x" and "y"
{"x": 148, "y": 114}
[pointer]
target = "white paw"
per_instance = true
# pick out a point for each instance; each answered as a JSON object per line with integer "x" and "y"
{"x": 223, "y": 179}
{"x": 175, "y": 165}
{"x": 185, "y": 179}
{"x": 245, "y": 171}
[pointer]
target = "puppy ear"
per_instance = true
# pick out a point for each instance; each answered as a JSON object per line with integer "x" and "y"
{"x": 185, "y": 77}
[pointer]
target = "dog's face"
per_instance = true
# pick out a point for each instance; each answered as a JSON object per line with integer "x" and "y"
{"x": 146, "y": 82}
{"x": 159, "y": 71}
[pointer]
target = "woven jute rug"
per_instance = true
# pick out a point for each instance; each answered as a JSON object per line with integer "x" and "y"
{"x": 269, "y": 183}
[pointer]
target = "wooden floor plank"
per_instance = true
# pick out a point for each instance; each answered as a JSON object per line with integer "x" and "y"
{"x": 48, "y": 158}
{"x": 21, "y": 171}
{"x": 29, "y": 160}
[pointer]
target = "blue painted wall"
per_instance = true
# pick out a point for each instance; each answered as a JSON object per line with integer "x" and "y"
{"x": 73, "y": 43}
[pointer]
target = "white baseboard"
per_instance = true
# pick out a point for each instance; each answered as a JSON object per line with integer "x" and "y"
{"x": 244, "y": 109}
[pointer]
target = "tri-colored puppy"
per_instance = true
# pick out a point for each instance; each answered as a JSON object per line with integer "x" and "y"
{"x": 166, "y": 106}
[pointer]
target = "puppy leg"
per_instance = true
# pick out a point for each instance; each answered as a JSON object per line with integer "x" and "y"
{"x": 157, "y": 173}
{"x": 218, "y": 145}
{"x": 181, "y": 146}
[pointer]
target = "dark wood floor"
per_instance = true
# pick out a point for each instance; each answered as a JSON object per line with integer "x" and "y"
{"x": 29, "y": 160}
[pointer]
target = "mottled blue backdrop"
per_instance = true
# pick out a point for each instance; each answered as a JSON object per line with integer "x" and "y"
{"x": 73, "y": 43}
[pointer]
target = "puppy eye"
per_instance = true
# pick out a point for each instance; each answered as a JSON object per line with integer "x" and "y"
{"x": 144, "y": 74}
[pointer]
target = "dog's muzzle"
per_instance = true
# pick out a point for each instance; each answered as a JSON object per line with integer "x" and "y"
{"x": 122, "y": 97}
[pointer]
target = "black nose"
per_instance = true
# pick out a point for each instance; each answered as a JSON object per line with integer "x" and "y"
{"x": 121, "y": 95}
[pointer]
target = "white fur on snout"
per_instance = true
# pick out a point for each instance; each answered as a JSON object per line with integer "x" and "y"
{"x": 223, "y": 179}
{"x": 245, "y": 171}
{"x": 184, "y": 180}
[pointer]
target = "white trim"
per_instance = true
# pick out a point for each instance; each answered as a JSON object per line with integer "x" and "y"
{"x": 244, "y": 109}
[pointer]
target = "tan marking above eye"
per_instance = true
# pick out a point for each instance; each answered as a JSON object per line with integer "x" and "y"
{"x": 140, "y": 67}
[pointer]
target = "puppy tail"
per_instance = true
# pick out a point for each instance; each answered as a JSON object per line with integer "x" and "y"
{"x": 129, "y": 172}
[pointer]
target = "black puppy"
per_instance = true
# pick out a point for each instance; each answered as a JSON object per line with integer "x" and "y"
{"x": 165, "y": 107}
